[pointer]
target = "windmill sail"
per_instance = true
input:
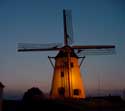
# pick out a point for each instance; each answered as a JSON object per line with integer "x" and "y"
{"x": 95, "y": 49}
{"x": 68, "y": 28}
{"x": 38, "y": 47}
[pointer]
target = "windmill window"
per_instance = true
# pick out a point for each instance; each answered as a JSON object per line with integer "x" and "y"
{"x": 61, "y": 91}
{"x": 62, "y": 74}
{"x": 76, "y": 91}
{"x": 71, "y": 64}
{"x": 65, "y": 64}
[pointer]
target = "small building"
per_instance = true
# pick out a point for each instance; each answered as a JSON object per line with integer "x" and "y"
{"x": 1, "y": 95}
{"x": 123, "y": 94}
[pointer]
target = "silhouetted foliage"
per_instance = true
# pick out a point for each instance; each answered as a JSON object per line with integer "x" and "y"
{"x": 33, "y": 94}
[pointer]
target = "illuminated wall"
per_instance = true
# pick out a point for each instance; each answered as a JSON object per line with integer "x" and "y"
{"x": 67, "y": 80}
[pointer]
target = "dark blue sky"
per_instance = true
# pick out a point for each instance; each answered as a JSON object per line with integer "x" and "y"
{"x": 100, "y": 22}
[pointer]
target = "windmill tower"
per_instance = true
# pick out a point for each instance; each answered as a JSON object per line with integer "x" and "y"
{"x": 67, "y": 80}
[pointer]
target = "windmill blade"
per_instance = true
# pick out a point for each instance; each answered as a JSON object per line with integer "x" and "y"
{"x": 68, "y": 28}
{"x": 95, "y": 49}
{"x": 38, "y": 47}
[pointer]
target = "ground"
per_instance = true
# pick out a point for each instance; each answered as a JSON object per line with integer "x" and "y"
{"x": 112, "y": 103}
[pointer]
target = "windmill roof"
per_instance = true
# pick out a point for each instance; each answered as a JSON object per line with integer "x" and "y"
{"x": 64, "y": 52}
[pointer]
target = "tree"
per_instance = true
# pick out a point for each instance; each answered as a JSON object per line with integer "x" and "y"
{"x": 33, "y": 94}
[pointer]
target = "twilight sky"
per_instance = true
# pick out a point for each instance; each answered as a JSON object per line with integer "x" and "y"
{"x": 95, "y": 22}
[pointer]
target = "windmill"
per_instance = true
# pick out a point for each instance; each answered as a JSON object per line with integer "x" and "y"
{"x": 67, "y": 80}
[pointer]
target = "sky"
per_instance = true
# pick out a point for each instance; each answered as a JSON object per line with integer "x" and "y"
{"x": 95, "y": 22}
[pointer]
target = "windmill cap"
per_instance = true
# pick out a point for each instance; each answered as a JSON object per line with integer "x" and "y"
{"x": 64, "y": 52}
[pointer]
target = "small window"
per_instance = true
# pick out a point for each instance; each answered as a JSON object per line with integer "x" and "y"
{"x": 61, "y": 91}
{"x": 62, "y": 74}
{"x": 71, "y": 64}
{"x": 65, "y": 64}
{"x": 76, "y": 91}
